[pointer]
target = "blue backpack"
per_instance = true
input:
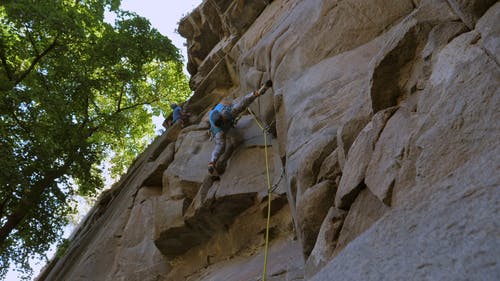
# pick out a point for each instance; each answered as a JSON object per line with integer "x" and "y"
{"x": 221, "y": 118}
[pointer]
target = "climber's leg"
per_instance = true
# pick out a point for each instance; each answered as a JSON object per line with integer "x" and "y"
{"x": 219, "y": 148}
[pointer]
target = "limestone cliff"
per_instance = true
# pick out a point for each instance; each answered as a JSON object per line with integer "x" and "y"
{"x": 384, "y": 147}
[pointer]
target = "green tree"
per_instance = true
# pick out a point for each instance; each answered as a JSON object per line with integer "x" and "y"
{"x": 73, "y": 91}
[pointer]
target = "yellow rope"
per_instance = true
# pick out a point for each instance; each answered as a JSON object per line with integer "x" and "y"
{"x": 264, "y": 272}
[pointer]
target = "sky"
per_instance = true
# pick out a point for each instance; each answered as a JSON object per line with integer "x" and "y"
{"x": 164, "y": 15}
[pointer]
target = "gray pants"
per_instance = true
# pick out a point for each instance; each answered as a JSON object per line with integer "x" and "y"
{"x": 220, "y": 138}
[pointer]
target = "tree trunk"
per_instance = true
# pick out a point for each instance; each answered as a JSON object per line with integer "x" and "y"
{"x": 30, "y": 200}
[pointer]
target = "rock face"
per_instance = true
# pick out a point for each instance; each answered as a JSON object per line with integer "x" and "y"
{"x": 384, "y": 144}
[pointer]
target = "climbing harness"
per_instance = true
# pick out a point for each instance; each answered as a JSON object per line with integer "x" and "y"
{"x": 269, "y": 192}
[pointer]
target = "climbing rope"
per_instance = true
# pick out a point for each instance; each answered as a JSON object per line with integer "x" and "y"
{"x": 269, "y": 191}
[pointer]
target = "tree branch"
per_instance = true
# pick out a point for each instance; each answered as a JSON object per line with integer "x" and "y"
{"x": 4, "y": 62}
{"x": 36, "y": 60}
{"x": 58, "y": 193}
{"x": 2, "y": 206}
{"x": 45, "y": 83}
{"x": 20, "y": 123}
{"x": 32, "y": 41}
{"x": 120, "y": 100}
{"x": 136, "y": 105}
{"x": 92, "y": 131}
{"x": 87, "y": 105}
{"x": 31, "y": 199}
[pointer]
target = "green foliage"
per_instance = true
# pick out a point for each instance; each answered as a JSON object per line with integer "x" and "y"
{"x": 62, "y": 247}
{"x": 74, "y": 91}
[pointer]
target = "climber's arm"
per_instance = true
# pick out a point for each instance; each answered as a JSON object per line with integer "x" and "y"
{"x": 241, "y": 105}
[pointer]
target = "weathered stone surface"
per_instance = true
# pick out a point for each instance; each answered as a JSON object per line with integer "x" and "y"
{"x": 391, "y": 67}
{"x": 358, "y": 159}
{"x": 337, "y": 67}
{"x": 364, "y": 212}
{"x": 186, "y": 172}
{"x": 172, "y": 236}
{"x": 161, "y": 142}
{"x": 240, "y": 244}
{"x": 314, "y": 205}
{"x": 343, "y": 24}
{"x": 241, "y": 14}
{"x": 385, "y": 161}
{"x": 278, "y": 201}
{"x": 192, "y": 220}
{"x": 181, "y": 228}
{"x": 455, "y": 114}
{"x": 245, "y": 173}
{"x": 447, "y": 219}
{"x": 283, "y": 265}
{"x": 203, "y": 29}
{"x": 470, "y": 11}
{"x": 326, "y": 242}
{"x": 346, "y": 135}
{"x": 307, "y": 161}
{"x": 157, "y": 167}
{"x": 96, "y": 243}
{"x": 451, "y": 233}
{"x": 489, "y": 29}
{"x": 339, "y": 86}
{"x": 435, "y": 11}
{"x": 462, "y": 68}
{"x": 338, "y": 94}
{"x": 395, "y": 64}
{"x": 330, "y": 168}
{"x": 208, "y": 68}
{"x": 440, "y": 35}
{"x": 137, "y": 257}
{"x": 213, "y": 86}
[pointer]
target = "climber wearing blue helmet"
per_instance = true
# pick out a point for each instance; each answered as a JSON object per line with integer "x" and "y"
{"x": 176, "y": 112}
{"x": 222, "y": 117}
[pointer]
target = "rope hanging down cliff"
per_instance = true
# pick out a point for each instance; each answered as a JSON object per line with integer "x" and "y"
{"x": 265, "y": 131}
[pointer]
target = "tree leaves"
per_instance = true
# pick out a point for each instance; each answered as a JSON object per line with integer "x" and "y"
{"x": 74, "y": 91}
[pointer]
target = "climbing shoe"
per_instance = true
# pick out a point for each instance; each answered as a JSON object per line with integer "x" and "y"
{"x": 211, "y": 168}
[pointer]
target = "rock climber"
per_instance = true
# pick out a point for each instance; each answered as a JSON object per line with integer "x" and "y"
{"x": 176, "y": 112}
{"x": 185, "y": 114}
{"x": 179, "y": 113}
{"x": 222, "y": 117}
